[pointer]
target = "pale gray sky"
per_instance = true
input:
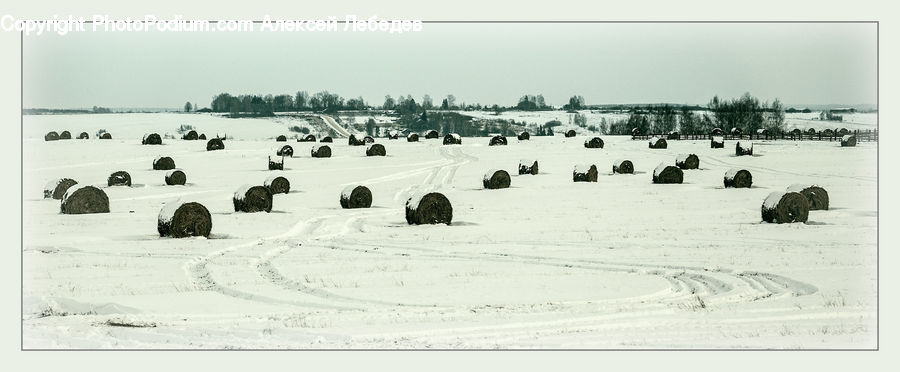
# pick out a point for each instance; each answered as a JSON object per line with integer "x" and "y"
{"x": 486, "y": 63}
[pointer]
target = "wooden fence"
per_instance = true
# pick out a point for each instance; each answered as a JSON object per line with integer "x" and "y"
{"x": 868, "y": 135}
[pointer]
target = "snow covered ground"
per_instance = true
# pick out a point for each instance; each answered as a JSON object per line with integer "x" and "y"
{"x": 546, "y": 263}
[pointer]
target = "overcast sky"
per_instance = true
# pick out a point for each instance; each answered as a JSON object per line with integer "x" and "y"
{"x": 478, "y": 63}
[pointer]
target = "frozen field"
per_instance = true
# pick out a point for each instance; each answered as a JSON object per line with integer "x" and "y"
{"x": 547, "y": 263}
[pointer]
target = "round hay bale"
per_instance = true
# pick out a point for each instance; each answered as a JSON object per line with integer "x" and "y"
{"x": 55, "y": 189}
{"x": 353, "y": 141}
{"x": 523, "y": 136}
{"x": 687, "y": 161}
{"x": 623, "y": 166}
{"x": 452, "y": 139}
{"x": 738, "y": 178}
{"x": 392, "y": 135}
{"x": 717, "y": 132}
{"x": 375, "y": 149}
{"x": 412, "y": 137}
{"x": 431, "y": 208}
{"x": 843, "y": 131}
{"x": 528, "y": 166}
{"x": 84, "y": 135}
{"x": 181, "y": 220}
{"x": 281, "y": 138}
{"x": 584, "y": 173}
{"x": 796, "y": 132}
{"x": 496, "y": 179}
{"x": 321, "y": 152}
{"x": 717, "y": 142}
{"x": 215, "y": 144}
{"x": 785, "y": 207}
{"x": 635, "y": 131}
{"x": 163, "y": 163}
{"x": 152, "y": 139}
{"x": 51, "y": 136}
{"x": 65, "y": 135}
{"x": 667, "y": 174}
{"x": 811, "y": 131}
{"x": 285, "y": 150}
{"x": 593, "y": 143}
{"x": 327, "y": 139}
{"x": 827, "y": 133}
{"x": 741, "y": 150}
{"x": 175, "y": 177}
{"x": 276, "y": 163}
{"x": 277, "y": 184}
{"x": 658, "y": 143}
{"x": 570, "y": 133}
{"x": 815, "y": 195}
{"x": 252, "y": 199}
{"x": 106, "y": 135}
{"x": 498, "y": 140}
{"x": 84, "y": 199}
{"x": 673, "y": 135}
{"x": 356, "y": 196}
{"x": 736, "y": 131}
{"x": 190, "y": 136}
{"x": 202, "y": 136}
{"x": 307, "y": 138}
{"x": 368, "y": 139}
{"x": 431, "y": 134}
{"x": 120, "y": 178}
{"x": 848, "y": 141}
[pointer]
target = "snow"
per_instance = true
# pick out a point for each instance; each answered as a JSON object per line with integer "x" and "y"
{"x": 718, "y": 139}
{"x": 241, "y": 192}
{"x": 489, "y": 174}
{"x": 745, "y": 145}
{"x": 72, "y": 190}
{"x": 276, "y": 159}
{"x": 731, "y": 173}
{"x": 582, "y": 168}
{"x": 172, "y": 171}
{"x": 659, "y": 168}
{"x": 619, "y": 161}
{"x": 798, "y": 187}
{"x": 51, "y": 185}
{"x": 455, "y": 136}
{"x": 348, "y": 191}
{"x": 654, "y": 140}
{"x": 607, "y": 265}
{"x": 772, "y": 200}
{"x": 681, "y": 158}
{"x": 270, "y": 179}
{"x": 413, "y": 202}
{"x": 846, "y": 138}
{"x": 167, "y": 213}
{"x": 526, "y": 161}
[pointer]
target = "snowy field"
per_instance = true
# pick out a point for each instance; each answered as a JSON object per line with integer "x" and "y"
{"x": 546, "y": 263}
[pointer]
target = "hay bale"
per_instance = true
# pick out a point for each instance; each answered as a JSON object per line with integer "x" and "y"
{"x": 65, "y": 135}
{"x": 667, "y": 174}
{"x": 523, "y": 136}
{"x": 635, "y": 131}
{"x": 673, "y": 135}
{"x": 843, "y": 132}
{"x": 796, "y": 132}
{"x": 181, "y": 220}
{"x": 528, "y": 166}
{"x": 738, "y": 178}
{"x": 277, "y": 184}
{"x": 498, "y": 140}
{"x": 106, "y": 135}
{"x": 848, "y": 140}
{"x": 375, "y": 149}
{"x": 84, "y": 135}
{"x": 151, "y": 139}
{"x": 202, "y": 136}
{"x": 717, "y": 132}
{"x": 356, "y": 196}
{"x": 412, "y": 137}
{"x": 623, "y": 166}
{"x": 84, "y": 199}
{"x": 496, "y": 179}
{"x": 120, "y": 178}
{"x": 392, "y": 135}
{"x": 281, "y": 138}
{"x": 828, "y": 133}
{"x": 584, "y": 173}
{"x": 307, "y": 138}
{"x": 815, "y": 195}
{"x": 687, "y": 161}
{"x": 277, "y": 163}
{"x": 215, "y": 144}
{"x": 431, "y": 134}
{"x": 658, "y": 143}
{"x": 736, "y": 131}
{"x": 570, "y": 133}
{"x": 428, "y": 208}
{"x": 741, "y": 150}
{"x": 51, "y": 136}
{"x": 175, "y": 177}
{"x": 785, "y": 207}
{"x": 327, "y": 139}
{"x": 353, "y": 141}
{"x": 452, "y": 139}
{"x": 285, "y": 150}
{"x": 811, "y": 131}
{"x": 368, "y": 139}
{"x": 252, "y": 199}
{"x": 717, "y": 142}
{"x": 321, "y": 151}
{"x": 55, "y": 189}
{"x": 762, "y": 132}
{"x": 190, "y": 136}
{"x": 593, "y": 143}
{"x": 163, "y": 163}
